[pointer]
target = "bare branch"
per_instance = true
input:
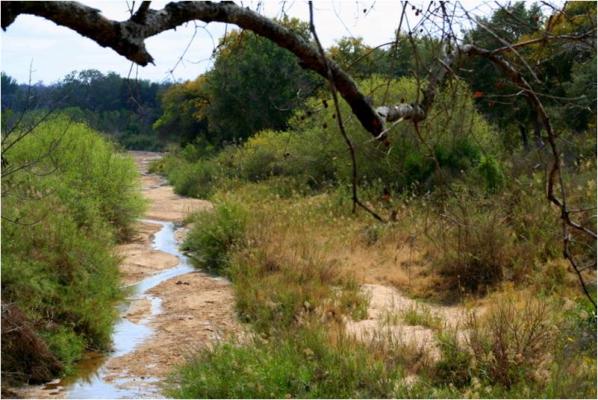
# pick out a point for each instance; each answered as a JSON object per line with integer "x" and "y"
{"x": 341, "y": 126}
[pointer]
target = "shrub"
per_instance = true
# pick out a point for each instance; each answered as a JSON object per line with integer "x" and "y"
{"x": 458, "y": 138}
{"x": 262, "y": 156}
{"x": 63, "y": 212}
{"x": 491, "y": 173}
{"x": 215, "y": 234}
{"x": 194, "y": 179}
{"x": 511, "y": 341}
{"x": 475, "y": 248}
{"x": 315, "y": 155}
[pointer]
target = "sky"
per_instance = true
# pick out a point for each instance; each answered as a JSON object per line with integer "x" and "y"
{"x": 37, "y": 47}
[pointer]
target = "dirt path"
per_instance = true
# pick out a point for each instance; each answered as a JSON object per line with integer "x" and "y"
{"x": 195, "y": 309}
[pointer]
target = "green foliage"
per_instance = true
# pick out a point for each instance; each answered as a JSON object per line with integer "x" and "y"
{"x": 304, "y": 364}
{"x": 510, "y": 23}
{"x": 313, "y": 154}
{"x": 245, "y": 96}
{"x": 67, "y": 345}
{"x": 458, "y": 138}
{"x": 70, "y": 198}
{"x": 491, "y": 172}
{"x": 183, "y": 105}
{"x": 123, "y": 109}
{"x": 194, "y": 179}
{"x": 215, "y": 234}
{"x": 362, "y": 61}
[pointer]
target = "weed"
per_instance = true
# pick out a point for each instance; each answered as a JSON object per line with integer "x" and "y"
{"x": 420, "y": 314}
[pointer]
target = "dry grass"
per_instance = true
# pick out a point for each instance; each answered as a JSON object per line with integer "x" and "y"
{"x": 514, "y": 338}
{"x": 305, "y": 259}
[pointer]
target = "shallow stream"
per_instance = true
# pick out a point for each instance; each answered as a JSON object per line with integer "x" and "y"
{"x": 90, "y": 380}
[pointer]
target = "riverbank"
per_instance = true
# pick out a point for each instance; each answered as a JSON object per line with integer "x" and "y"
{"x": 183, "y": 313}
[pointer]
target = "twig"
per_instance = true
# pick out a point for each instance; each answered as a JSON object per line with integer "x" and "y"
{"x": 355, "y": 197}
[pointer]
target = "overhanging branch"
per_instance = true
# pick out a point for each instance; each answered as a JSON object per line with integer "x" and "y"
{"x": 127, "y": 38}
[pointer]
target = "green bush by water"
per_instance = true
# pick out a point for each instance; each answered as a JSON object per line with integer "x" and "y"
{"x": 69, "y": 201}
{"x": 215, "y": 234}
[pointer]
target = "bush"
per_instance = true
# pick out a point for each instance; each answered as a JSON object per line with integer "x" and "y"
{"x": 454, "y": 367}
{"x": 63, "y": 212}
{"x": 458, "y": 139}
{"x": 475, "y": 247}
{"x": 215, "y": 234}
{"x": 314, "y": 154}
{"x": 305, "y": 364}
{"x": 491, "y": 173}
{"x": 511, "y": 341}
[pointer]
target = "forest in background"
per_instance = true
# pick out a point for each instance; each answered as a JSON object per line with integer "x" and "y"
{"x": 463, "y": 191}
{"x": 123, "y": 109}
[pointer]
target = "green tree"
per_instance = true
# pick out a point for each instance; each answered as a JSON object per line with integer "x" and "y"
{"x": 492, "y": 90}
{"x": 183, "y": 117}
{"x": 568, "y": 68}
{"x": 254, "y": 85}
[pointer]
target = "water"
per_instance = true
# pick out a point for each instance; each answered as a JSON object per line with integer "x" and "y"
{"x": 90, "y": 382}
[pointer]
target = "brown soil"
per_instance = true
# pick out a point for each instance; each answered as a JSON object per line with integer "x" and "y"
{"x": 196, "y": 311}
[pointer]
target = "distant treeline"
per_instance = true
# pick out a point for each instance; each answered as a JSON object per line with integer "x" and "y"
{"x": 125, "y": 109}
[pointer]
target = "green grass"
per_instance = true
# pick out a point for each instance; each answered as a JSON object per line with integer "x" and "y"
{"x": 304, "y": 364}
{"x": 422, "y": 315}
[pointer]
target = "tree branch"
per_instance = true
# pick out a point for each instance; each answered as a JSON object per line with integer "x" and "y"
{"x": 127, "y": 37}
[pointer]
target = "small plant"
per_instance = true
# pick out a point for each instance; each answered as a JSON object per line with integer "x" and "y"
{"x": 454, "y": 367}
{"x": 419, "y": 314}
